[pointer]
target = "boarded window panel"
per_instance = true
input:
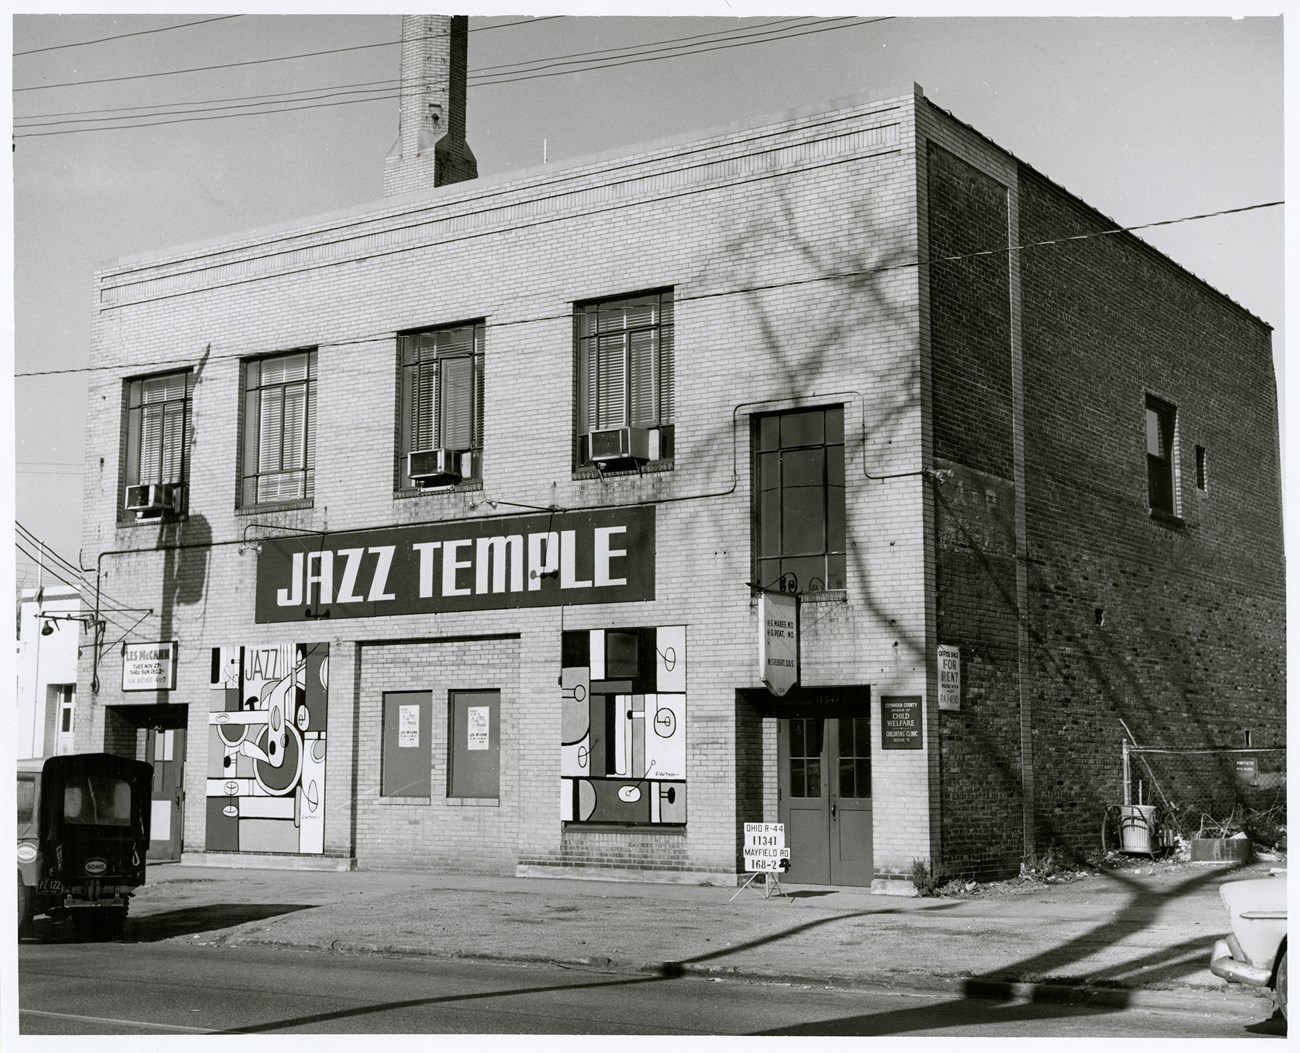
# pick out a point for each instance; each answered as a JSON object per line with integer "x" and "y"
{"x": 407, "y": 739}
{"x": 474, "y": 756}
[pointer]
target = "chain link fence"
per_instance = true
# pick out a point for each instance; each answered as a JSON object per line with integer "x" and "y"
{"x": 1211, "y": 792}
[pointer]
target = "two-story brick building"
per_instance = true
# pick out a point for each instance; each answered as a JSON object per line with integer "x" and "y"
{"x": 467, "y": 511}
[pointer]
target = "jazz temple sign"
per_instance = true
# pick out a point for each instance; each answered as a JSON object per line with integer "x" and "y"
{"x": 601, "y": 556}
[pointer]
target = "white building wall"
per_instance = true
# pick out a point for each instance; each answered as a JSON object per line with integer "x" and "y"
{"x": 46, "y": 664}
{"x": 786, "y": 246}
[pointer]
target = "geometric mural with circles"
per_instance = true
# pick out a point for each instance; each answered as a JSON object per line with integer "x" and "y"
{"x": 623, "y": 725}
{"x": 266, "y": 748}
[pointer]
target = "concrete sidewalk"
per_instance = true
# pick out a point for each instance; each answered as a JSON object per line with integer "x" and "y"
{"x": 1137, "y": 934}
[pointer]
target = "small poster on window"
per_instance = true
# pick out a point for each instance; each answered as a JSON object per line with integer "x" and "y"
{"x": 408, "y": 726}
{"x": 476, "y": 721}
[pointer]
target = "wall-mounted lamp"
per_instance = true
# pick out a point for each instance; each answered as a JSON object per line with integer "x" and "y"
{"x": 50, "y": 619}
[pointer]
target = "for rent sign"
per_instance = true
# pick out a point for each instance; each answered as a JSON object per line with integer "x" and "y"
{"x": 605, "y": 556}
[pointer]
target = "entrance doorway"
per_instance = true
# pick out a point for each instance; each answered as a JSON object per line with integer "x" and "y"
{"x": 825, "y": 798}
{"x": 165, "y": 750}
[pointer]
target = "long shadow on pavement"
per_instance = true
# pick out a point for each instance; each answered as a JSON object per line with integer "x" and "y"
{"x": 187, "y": 921}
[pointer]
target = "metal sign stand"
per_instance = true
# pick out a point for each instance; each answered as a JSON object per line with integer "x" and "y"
{"x": 771, "y": 883}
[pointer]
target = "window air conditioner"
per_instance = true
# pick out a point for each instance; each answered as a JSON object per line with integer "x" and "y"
{"x": 147, "y": 498}
{"x": 614, "y": 446}
{"x": 434, "y": 467}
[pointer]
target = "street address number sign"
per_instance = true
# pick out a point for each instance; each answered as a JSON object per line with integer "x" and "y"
{"x": 765, "y": 848}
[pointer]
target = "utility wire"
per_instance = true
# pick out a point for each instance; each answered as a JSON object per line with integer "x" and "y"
{"x": 82, "y": 585}
{"x": 651, "y": 54}
{"x": 123, "y": 36}
{"x": 85, "y": 115}
{"x": 680, "y": 53}
{"x": 732, "y": 33}
{"x": 29, "y": 538}
{"x": 740, "y": 290}
{"x": 207, "y": 69}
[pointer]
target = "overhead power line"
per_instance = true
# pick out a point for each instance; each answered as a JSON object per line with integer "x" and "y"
{"x": 123, "y": 36}
{"x": 68, "y": 569}
{"x": 533, "y": 69}
{"x": 207, "y": 69}
{"x": 684, "y": 52}
{"x": 740, "y": 290}
{"x": 181, "y": 107}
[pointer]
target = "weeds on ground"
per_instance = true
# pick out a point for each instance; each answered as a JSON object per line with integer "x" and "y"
{"x": 926, "y": 879}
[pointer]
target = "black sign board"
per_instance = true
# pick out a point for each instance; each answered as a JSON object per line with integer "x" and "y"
{"x": 900, "y": 722}
{"x": 601, "y": 556}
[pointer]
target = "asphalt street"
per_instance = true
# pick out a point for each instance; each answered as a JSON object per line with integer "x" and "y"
{"x": 175, "y": 989}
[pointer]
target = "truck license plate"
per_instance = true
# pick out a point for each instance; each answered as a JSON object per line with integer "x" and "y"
{"x": 49, "y": 885}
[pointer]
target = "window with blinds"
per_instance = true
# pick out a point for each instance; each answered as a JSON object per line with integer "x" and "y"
{"x": 625, "y": 367}
{"x": 279, "y": 433}
{"x": 158, "y": 429}
{"x": 442, "y": 394}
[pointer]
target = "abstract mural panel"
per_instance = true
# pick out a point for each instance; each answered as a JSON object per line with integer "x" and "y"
{"x": 623, "y": 725}
{"x": 266, "y": 748}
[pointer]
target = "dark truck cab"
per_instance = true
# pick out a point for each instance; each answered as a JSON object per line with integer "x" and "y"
{"x": 83, "y": 833}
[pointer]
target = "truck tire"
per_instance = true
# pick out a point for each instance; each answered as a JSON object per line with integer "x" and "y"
{"x": 1279, "y": 986}
{"x": 26, "y": 908}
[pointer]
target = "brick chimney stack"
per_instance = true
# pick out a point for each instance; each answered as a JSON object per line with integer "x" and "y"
{"x": 431, "y": 150}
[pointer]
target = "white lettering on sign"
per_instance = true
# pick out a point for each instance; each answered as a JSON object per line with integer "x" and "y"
{"x": 311, "y": 582}
{"x": 949, "y": 677}
{"x": 778, "y": 641}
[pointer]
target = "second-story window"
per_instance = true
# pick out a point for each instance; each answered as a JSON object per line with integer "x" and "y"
{"x": 626, "y": 378}
{"x": 799, "y": 523}
{"x": 1162, "y": 473}
{"x": 157, "y": 442}
{"x": 278, "y": 452}
{"x": 441, "y": 412}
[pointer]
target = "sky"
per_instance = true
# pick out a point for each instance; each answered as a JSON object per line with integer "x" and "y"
{"x": 1148, "y": 119}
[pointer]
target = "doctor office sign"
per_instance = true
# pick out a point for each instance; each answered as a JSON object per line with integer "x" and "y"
{"x": 600, "y": 556}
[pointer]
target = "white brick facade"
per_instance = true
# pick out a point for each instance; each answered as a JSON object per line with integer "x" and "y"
{"x": 786, "y": 246}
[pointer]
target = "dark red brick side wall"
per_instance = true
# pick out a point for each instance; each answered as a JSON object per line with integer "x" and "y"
{"x": 970, "y": 333}
{"x": 1177, "y": 628}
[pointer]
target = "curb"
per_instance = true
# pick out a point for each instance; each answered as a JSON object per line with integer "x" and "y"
{"x": 984, "y": 989}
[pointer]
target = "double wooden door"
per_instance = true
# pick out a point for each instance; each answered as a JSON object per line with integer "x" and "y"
{"x": 825, "y": 798}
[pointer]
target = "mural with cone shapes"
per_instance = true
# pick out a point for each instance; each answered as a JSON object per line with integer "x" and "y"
{"x": 266, "y": 748}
